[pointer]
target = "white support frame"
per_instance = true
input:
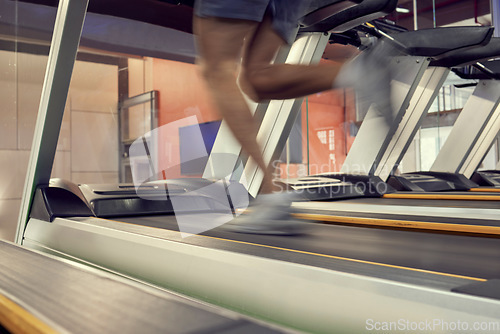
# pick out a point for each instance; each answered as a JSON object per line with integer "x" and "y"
{"x": 374, "y": 140}
{"x": 473, "y": 132}
{"x": 281, "y": 114}
{"x": 65, "y": 40}
{"x": 427, "y": 90}
{"x": 476, "y": 127}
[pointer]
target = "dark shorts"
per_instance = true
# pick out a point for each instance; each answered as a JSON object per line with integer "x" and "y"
{"x": 285, "y": 13}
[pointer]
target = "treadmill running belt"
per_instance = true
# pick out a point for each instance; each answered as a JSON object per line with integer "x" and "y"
{"x": 378, "y": 253}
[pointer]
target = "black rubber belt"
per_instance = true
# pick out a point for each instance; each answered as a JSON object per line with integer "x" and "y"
{"x": 323, "y": 247}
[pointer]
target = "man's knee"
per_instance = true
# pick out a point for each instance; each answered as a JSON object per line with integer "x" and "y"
{"x": 256, "y": 82}
{"x": 222, "y": 71}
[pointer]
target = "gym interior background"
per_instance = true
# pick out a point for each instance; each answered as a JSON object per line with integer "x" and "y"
{"x": 119, "y": 59}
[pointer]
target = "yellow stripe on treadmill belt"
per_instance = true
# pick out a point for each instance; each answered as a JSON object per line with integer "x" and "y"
{"x": 443, "y": 196}
{"x": 16, "y": 319}
{"x": 485, "y": 190}
{"x": 377, "y": 222}
{"x": 328, "y": 256}
{"x": 347, "y": 259}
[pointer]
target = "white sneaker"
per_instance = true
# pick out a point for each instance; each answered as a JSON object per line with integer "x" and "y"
{"x": 269, "y": 214}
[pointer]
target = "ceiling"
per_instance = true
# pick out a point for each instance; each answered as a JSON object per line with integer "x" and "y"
{"x": 446, "y": 12}
{"x": 166, "y": 18}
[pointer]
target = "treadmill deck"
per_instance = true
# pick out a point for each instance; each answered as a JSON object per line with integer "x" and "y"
{"x": 427, "y": 259}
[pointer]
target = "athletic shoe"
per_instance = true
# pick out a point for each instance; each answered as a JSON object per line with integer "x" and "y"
{"x": 269, "y": 214}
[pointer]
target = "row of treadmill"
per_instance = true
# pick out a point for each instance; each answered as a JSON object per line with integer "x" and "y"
{"x": 380, "y": 249}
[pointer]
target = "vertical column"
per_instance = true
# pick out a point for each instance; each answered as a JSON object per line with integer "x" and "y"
{"x": 495, "y": 15}
{"x": 65, "y": 40}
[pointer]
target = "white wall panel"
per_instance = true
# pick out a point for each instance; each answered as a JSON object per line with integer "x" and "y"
{"x": 90, "y": 177}
{"x": 94, "y": 87}
{"x": 94, "y": 141}
{"x": 9, "y": 210}
{"x": 8, "y": 96}
{"x": 31, "y": 73}
{"x": 13, "y": 166}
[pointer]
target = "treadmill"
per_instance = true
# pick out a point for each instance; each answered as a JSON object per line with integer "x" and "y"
{"x": 401, "y": 203}
{"x": 471, "y": 137}
{"x": 335, "y": 278}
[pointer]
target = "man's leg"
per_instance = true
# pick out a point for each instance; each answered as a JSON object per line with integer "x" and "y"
{"x": 262, "y": 80}
{"x": 220, "y": 45}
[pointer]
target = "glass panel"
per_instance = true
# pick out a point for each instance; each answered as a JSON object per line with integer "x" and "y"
{"x": 437, "y": 13}
{"x": 173, "y": 138}
{"x": 120, "y": 58}
{"x": 431, "y": 141}
{"x": 332, "y": 119}
{"x": 436, "y": 126}
{"x": 25, "y": 33}
{"x": 490, "y": 161}
{"x": 326, "y": 128}
{"x": 139, "y": 121}
{"x": 137, "y": 117}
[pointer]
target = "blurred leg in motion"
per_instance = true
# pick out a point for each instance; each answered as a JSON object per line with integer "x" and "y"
{"x": 240, "y": 43}
{"x": 370, "y": 74}
{"x": 228, "y": 45}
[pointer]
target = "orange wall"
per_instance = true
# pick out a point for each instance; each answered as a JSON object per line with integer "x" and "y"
{"x": 326, "y": 118}
{"x": 182, "y": 94}
{"x": 323, "y": 135}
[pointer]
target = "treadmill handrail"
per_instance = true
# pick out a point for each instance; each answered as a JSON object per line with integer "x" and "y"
{"x": 440, "y": 42}
{"x": 326, "y": 11}
{"x": 467, "y": 57}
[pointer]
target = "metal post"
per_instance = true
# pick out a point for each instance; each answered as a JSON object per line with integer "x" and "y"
{"x": 65, "y": 40}
{"x": 415, "y": 15}
{"x": 495, "y": 16}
